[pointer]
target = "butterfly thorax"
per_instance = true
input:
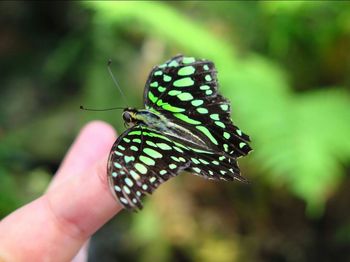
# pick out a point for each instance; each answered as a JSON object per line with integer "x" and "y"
{"x": 157, "y": 121}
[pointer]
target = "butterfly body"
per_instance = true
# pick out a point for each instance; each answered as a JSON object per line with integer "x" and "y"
{"x": 185, "y": 125}
{"x": 157, "y": 121}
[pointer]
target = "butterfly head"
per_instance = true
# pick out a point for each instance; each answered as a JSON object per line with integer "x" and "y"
{"x": 129, "y": 116}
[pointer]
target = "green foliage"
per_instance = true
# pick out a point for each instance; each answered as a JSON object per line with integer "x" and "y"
{"x": 8, "y": 200}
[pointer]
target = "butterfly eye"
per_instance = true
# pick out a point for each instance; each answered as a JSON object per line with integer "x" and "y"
{"x": 127, "y": 117}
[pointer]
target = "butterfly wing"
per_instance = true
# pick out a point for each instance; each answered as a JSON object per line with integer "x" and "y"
{"x": 140, "y": 160}
{"x": 185, "y": 90}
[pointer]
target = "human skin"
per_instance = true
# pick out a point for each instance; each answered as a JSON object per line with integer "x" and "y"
{"x": 78, "y": 202}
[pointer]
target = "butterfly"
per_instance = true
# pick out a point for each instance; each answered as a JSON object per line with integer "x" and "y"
{"x": 185, "y": 126}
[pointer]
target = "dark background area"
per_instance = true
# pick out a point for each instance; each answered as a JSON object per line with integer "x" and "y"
{"x": 285, "y": 66}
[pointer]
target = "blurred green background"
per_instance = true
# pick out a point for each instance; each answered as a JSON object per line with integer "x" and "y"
{"x": 285, "y": 66}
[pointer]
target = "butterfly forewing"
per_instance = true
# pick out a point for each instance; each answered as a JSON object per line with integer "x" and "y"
{"x": 140, "y": 160}
{"x": 185, "y": 90}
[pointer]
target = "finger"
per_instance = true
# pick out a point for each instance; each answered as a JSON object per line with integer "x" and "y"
{"x": 94, "y": 141}
{"x": 56, "y": 225}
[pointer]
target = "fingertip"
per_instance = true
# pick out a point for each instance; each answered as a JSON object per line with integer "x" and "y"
{"x": 93, "y": 142}
{"x": 98, "y": 128}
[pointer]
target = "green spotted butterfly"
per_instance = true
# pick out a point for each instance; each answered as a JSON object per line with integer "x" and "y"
{"x": 185, "y": 126}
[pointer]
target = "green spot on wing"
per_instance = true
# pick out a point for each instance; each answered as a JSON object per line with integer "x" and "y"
{"x": 202, "y": 151}
{"x": 150, "y": 143}
{"x": 214, "y": 116}
{"x": 174, "y": 92}
{"x": 209, "y": 92}
{"x": 173, "y": 64}
{"x": 185, "y": 71}
{"x": 226, "y": 147}
{"x": 220, "y": 124}
{"x": 117, "y": 165}
{"x": 203, "y": 161}
{"x": 118, "y": 153}
{"x": 202, "y": 110}
{"x": 186, "y": 119}
{"x": 135, "y": 132}
{"x": 152, "y": 153}
{"x": 126, "y": 189}
{"x": 227, "y": 135}
{"x": 242, "y": 144}
{"x": 154, "y": 84}
{"x": 204, "y": 87}
{"x": 180, "y": 145}
{"x": 129, "y": 158}
{"x": 158, "y": 73}
{"x": 134, "y": 148}
{"x": 197, "y": 102}
{"x": 167, "y": 78}
{"x": 141, "y": 168}
{"x": 185, "y": 96}
{"x": 172, "y": 166}
{"x": 134, "y": 175}
{"x": 148, "y": 161}
{"x": 182, "y": 159}
{"x": 129, "y": 182}
{"x": 188, "y": 60}
{"x": 196, "y": 169}
{"x": 224, "y": 107}
{"x": 152, "y": 97}
{"x": 206, "y": 132}
{"x": 127, "y": 140}
{"x": 175, "y": 158}
{"x": 136, "y": 140}
{"x": 178, "y": 149}
{"x": 163, "y": 146}
{"x": 208, "y": 78}
{"x": 183, "y": 82}
{"x": 172, "y": 108}
{"x": 161, "y": 89}
{"x": 195, "y": 160}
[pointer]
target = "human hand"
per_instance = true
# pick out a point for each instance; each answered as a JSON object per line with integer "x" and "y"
{"x": 77, "y": 203}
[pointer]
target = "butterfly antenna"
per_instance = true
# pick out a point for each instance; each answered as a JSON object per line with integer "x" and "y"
{"x": 105, "y": 109}
{"x": 115, "y": 81}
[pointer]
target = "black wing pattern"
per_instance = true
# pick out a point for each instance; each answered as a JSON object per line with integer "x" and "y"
{"x": 140, "y": 160}
{"x": 185, "y": 90}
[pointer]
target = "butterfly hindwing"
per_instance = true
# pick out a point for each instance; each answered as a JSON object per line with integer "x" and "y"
{"x": 215, "y": 166}
{"x": 185, "y": 90}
